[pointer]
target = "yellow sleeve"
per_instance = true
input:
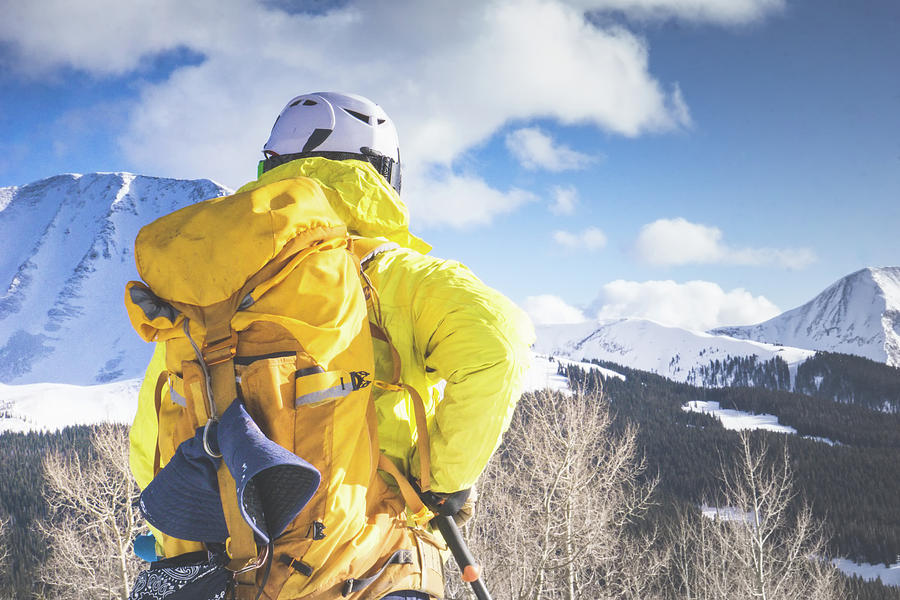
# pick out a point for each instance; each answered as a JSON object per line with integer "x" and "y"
{"x": 479, "y": 342}
{"x": 143, "y": 434}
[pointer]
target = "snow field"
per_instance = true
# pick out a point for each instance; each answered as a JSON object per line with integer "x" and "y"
{"x": 889, "y": 575}
{"x": 543, "y": 373}
{"x": 737, "y": 420}
{"x": 54, "y": 406}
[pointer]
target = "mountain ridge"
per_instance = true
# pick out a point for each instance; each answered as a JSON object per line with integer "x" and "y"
{"x": 68, "y": 271}
{"x": 674, "y": 352}
{"x": 859, "y": 314}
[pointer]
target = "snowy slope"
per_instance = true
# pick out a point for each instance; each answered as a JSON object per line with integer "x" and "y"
{"x": 52, "y": 406}
{"x": 543, "y": 374}
{"x": 738, "y": 420}
{"x": 643, "y": 344}
{"x": 66, "y": 252}
{"x": 859, "y": 314}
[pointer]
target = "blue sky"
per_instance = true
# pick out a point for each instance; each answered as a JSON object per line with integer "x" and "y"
{"x": 699, "y": 162}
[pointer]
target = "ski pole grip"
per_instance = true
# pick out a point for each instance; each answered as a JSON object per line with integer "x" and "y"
{"x": 471, "y": 571}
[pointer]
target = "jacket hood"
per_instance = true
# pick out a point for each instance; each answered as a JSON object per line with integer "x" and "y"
{"x": 364, "y": 201}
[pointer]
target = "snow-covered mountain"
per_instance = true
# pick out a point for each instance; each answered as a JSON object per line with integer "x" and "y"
{"x": 859, "y": 314}
{"x": 66, "y": 252}
{"x": 642, "y": 344}
{"x": 53, "y": 406}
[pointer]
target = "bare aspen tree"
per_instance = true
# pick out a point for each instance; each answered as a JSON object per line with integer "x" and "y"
{"x": 93, "y": 521}
{"x": 4, "y": 545}
{"x": 4, "y": 552}
{"x": 756, "y": 547}
{"x": 555, "y": 505}
{"x": 700, "y": 567}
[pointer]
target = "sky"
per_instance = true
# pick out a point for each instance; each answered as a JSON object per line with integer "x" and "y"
{"x": 698, "y": 162}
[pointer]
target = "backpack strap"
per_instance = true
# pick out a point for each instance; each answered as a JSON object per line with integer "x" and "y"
{"x": 403, "y": 556}
{"x": 218, "y": 353}
{"x": 421, "y": 513}
{"x": 423, "y": 441}
{"x": 161, "y": 382}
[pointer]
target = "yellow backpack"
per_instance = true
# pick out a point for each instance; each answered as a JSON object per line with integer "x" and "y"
{"x": 260, "y": 295}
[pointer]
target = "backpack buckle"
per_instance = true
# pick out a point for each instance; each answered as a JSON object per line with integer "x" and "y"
{"x": 221, "y": 350}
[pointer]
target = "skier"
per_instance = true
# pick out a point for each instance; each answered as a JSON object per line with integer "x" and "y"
{"x": 461, "y": 347}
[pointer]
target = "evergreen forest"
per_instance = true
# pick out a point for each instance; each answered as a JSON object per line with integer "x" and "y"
{"x": 845, "y": 455}
{"x": 22, "y": 502}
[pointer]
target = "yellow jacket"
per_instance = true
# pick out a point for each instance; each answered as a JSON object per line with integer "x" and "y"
{"x": 463, "y": 346}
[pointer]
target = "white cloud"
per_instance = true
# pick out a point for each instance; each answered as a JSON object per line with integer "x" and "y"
{"x": 677, "y": 242}
{"x": 726, "y": 12}
{"x": 591, "y": 238}
{"x": 700, "y": 305}
{"x": 459, "y": 200}
{"x": 450, "y": 74}
{"x": 668, "y": 242}
{"x": 679, "y": 107}
{"x": 54, "y": 33}
{"x": 535, "y": 149}
{"x": 564, "y": 200}
{"x": 104, "y": 37}
{"x": 547, "y": 309}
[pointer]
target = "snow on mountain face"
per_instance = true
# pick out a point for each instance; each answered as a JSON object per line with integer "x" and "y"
{"x": 859, "y": 314}
{"x": 646, "y": 345}
{"x": 53, "y": 406}
{"x": 66, "y": 252}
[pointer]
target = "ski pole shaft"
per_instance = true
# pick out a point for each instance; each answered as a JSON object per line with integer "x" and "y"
{"x": 471, "y": 572}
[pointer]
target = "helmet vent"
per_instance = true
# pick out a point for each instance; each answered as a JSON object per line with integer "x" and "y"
{"x": 315, "y": 140}
{"x": 305, "y": 103}
{"x": 380, "y": 121}
{"x": 360, "y": 116}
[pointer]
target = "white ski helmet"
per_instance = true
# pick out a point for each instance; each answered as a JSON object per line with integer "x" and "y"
{"x": 336, "y": 126}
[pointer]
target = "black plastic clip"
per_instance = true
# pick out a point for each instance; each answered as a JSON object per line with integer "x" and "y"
{"x": 298, "y": 565}
{"x": 359, "y": 379}
{"x": 318, "y": 530}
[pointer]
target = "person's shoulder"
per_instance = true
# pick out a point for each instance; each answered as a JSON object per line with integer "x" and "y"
{"x": 399, "y": 257}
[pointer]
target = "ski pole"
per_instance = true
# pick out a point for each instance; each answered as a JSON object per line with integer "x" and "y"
{"x": 471, "y": 572}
